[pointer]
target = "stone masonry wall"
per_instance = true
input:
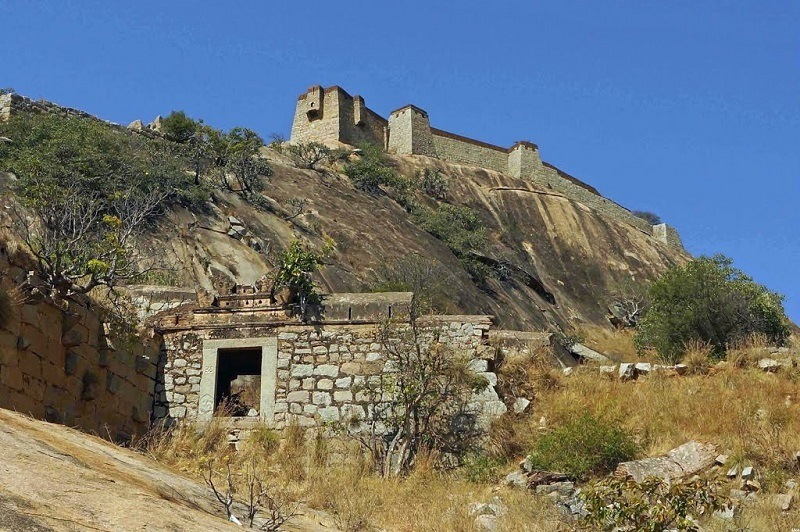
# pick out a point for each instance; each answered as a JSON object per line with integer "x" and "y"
{"x": 451, "y": 148}
{"x": 320, "y": 370}
{"x": 332, "y": 115}
{"x": 62, "y": 363}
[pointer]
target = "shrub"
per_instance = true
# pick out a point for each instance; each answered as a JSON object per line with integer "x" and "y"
{"x": 583, "y": 447}
{"x": 654, "y": 505}
{"x": 309, "y": 155}
{"x": 708, "y": 300}
{"x": 481, "y": 468}
{"x": 370, "y": 171}
{"x": 650, "y": 217}
{"x": 432, "y": 183}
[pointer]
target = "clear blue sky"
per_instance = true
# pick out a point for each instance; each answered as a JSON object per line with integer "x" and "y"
{"x": 687, "y": 108}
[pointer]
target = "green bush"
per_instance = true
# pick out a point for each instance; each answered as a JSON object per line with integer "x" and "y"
{"x": 583, "y": 447}
{"x": 309, "y": 155}
{"x": 481, "y": 468}
{"x": 461, "y": 230}
{"x": 370, "y": 170}
{"x": 653, "y": 505}
{"x": 708, "y": 300}
{"x": 433, "y": 183}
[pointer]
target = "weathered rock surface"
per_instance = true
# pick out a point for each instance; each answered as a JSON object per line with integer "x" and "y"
{"x": 53, "y": 478}
{"x": 683, "y": 461}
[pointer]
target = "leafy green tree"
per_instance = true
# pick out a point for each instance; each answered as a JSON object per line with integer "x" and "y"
{"x": 178, "y": 127}
{"x": 87, "y": 192}
{"x": 708, "y": 300}
{"x": 433, "y": 183}
{"x": 309, "y": 155}
{"x": 239, "y": 167}
{"x": 370, "y": 170}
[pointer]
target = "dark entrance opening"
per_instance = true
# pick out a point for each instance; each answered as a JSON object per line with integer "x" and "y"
{"x": 239, "y": 381}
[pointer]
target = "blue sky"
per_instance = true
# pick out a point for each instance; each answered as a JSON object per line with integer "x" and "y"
{"x": 690, "y": 109}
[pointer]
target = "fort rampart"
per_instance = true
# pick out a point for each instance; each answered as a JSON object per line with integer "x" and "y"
{"x": 330, "y": 115}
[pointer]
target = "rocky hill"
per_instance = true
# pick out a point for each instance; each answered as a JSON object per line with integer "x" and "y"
{"x": 562, "y": 259}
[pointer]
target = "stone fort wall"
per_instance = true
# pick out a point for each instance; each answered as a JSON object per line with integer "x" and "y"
{"x": 64, "y": 364}
{"x": 408, "y": 132}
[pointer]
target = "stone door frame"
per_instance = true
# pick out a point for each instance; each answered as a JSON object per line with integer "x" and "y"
{"x": 269, "y": 365}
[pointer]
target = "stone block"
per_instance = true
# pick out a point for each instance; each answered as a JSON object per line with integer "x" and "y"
{"x": 325, "y": 384}
{"x": 344, "y": 382}
{"x": 329, "y": 414}
{"x": 343, "y": 396}
{"x": 298, "y": 396}
{"x": 351, "y": 368}
{"x": 327, "y": 370}
{"x": 302, "y": 370}
{"x": 321, "y": 398}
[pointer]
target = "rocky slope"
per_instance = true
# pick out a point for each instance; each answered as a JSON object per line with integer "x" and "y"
{"x": 56, "y": 478}
{"x": 563, "y": 259}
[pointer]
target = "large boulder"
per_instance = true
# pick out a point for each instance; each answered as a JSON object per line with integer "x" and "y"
{"x": 683, "y": 461}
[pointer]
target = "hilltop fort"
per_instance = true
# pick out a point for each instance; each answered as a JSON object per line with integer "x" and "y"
{"x": 332, "y": 116}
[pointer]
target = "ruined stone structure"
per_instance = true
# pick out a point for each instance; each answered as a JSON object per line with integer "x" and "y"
{"x": 309, "y": 374}
{"x": 332, "y": 116}
{"x": 63, "y": 363}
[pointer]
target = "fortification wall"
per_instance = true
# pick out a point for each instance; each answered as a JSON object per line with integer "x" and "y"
{"x": 65, "y": 365}
{"x": 462, "y": 150}
{"x": 332, "y": 116}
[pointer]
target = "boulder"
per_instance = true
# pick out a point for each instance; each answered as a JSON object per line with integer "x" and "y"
{"x": 627, "y": 372}
{"x": 769, "y": 365}
{"x": 136, "y": 125}
{"x": 585, "y": 353}
{"x": 683, "y": 461}
{"x": 783, "y": 501}
{"x": 516, "y": 479}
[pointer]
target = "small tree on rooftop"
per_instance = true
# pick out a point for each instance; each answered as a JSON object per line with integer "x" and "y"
{"x": 296, "y": 266}
{"x": 708, "y": 300}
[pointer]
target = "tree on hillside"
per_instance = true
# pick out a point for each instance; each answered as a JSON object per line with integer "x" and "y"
{"x": 239, "y": 167}
{"x": 708, "y": 300}
{"x": 86, "y": 191}
{"x": 178, "y": 127}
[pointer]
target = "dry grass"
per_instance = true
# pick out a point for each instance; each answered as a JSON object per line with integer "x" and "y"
{"x": 335, "y": 477}
{"x": 752, "y": 416}
{"x": 615, "y": 344}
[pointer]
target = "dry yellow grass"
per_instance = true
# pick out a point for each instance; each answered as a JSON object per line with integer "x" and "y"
{"x": 754, "y": 416}
{"x": 615, "y": 344}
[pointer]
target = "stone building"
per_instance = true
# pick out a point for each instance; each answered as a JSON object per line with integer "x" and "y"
{"x": 332, "y": 116}
{"x": 304, "y": 373}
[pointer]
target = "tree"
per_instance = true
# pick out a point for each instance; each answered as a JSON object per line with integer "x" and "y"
{"x": 178, "y": 127}
{"x": 629, "y": 304}
{"x": 708, "y": 300}
{"x": 86, "y": 192}
{"x": 428, "y": 281}
{"x": 309, "y": 155}
{"x": 419, "y": 403}
{"x": 81, "y": 239}
{"x": 650, "y": 217}
{"x": 370, "y": 170}
{"x": 432, "y": 183}
{"x": 239, "y": 166}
